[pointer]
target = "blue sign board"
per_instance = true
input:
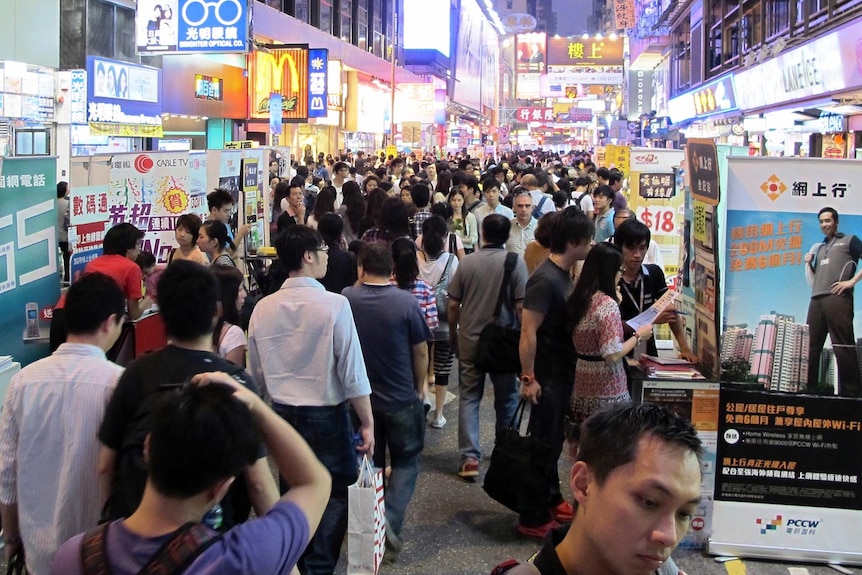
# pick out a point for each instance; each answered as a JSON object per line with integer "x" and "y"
{"x": 317, "y": 82}
{"x": 192, "y": 26}
{"x": 123, "y": 93}
{"x": 275, "y": 119}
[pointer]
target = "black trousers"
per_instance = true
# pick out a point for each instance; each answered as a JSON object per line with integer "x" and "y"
{"x": 833, "y": 315}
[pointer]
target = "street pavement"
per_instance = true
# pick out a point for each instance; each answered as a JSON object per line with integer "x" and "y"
{"x": 454, "y": 528}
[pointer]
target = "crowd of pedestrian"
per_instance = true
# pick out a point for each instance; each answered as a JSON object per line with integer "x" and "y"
{"x": 388, "y": 269}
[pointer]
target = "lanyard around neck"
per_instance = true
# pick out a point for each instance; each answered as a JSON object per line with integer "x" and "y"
{"x": 638, "y": 280}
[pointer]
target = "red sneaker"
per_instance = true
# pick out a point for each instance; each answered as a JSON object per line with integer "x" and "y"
{"x": 563, "y": 513}
{"x": 538, "y": 532}
{"x": 469, "y": 469}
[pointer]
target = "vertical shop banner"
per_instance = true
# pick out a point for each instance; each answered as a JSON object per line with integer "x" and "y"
{"x": 29, "y": 272}
{"x": 618, "y": 157}
{"x": 697, "y": 401}
{"x": 150, "y": 191}
{"x": 772, "y": 224}
{"x": 89, "y": 214}
{"x": 788, "y": 477}
{"x": 251, "y": 178}
{"x": 699, "y": 259}
{"x": 318, "y": 59}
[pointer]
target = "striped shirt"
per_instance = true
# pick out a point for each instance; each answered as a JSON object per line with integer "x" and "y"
{"x": 49, "y": 449}
{"x": 424, "y": 294}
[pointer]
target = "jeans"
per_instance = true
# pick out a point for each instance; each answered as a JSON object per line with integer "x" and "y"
{"x": 833, "y": 314}
{"x": 547, "y": 424}
{"x": 471, "y": 385}
{"x": 328, "y": 432}
{"x": 402, "y": 432}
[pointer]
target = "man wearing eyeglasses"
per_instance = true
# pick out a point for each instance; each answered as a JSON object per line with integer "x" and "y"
{"x": 303, "y": 346}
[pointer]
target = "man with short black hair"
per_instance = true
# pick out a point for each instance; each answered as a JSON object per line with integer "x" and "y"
{"x": 220, "y": 205}
{"x": 340, "y": 174}
{"x": 492, "y": 205}
{"x": 397, "y": 170}
{"x": 203, "y": 436}
{"x": 548, "y": 356}
{"x": 294, "y": 203}
{"x": 49, "y": 489}
{"x": 615, "y": 181}
{"x": 394, "y": 338}
{"x": 189, "y": 299}
{"x": 473, "y": 292}
{"x": 829, "y": 266}
{"x": 603, "y": 197}
{"x": 636, "y": 485}
{"x": 469, "y": 186}
{"x": 420, "y": 193}
{"x": 304, "y": 348}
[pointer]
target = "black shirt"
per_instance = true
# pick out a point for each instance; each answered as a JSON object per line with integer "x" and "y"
{"x": 340, "y": 271}
{"x": 649, "y": 286}
{"x": 548, "y": 288}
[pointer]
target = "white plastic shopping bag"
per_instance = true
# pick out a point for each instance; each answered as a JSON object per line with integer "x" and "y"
{"x": 366, "y": 530}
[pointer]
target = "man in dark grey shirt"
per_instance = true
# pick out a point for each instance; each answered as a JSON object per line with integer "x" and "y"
{"x": 833, "y": 264}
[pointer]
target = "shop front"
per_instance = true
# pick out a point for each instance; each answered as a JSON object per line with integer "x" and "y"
{"x": 709, "y": 111}
{"x": 812, "y": 90}
{"x": 26, "y": 109}
{"x": 206, "y": 102}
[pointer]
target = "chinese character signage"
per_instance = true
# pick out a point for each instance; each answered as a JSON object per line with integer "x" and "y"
{"x": 711, "y": 98}
{"x": 192, "y": 26}
{"x": 624, "y": 14}
{"x": 702, "y": 163}
{"x": 282, "y": 71}
{"x": 519, "y": 23}
{"x": 123, "y": 93}
{"x": 528, "y": 114}
{"x": 530, "y": 52}
{"x": 317, "y": 78}
{"x": 788, "y": 475}
{"x": 209, "y": 88}
{"x": 577, "y": 51}
{"x": 78, "y": 97}
{"x": 657, "y": 186}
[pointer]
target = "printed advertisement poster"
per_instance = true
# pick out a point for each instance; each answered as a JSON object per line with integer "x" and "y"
{"x": 89, "y": 214}
{"x": 699, "y": 403}
{"x": 788, "y": 476}
{"x": 150, "y": 191}
{"x": 772, "y": 224}
{"x": 29, "y": 273}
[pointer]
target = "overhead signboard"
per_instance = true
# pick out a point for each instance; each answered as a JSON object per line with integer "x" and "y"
{"x": 123, "y": 93}
{"x": 519, "y": 23}
{"x": 709, "y": 99}
{"x": 531, "y": 52}
{"x": 640, "y": 93}
{"x": 573, "y": 75}
{"x": 576, "y": 51}
{"x": 282, "y": 71}
{"x": 423, "y": 21}
{"x": 26, "y": 92}
{"x": 317, "y": 77}
{"x": 192, "y": 26}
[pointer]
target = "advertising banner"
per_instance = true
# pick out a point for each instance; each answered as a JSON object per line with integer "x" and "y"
{"x": 787, "y": 482}
{"x": 698, "y": 402}
{"x": 772, "y": 224}
{"x": 29, "y": 268}
{"x": 473, "y": 28}
{"x": 78, "y": 97}
{"x": 531, "y": 52}
{"x": 123, "y": 93}
{"x": 26, "y": 92}
{"x": 574, "y": 75}
{"x": 192, "y": 26}
{"x": 415, "y": 103}
{"x": 640, "y": 93}
{"x": 150, "y": 191}
{"x": 282, "y": 71}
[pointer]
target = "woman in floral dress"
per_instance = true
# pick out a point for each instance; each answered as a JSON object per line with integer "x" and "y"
{"x": 594, "y": 311}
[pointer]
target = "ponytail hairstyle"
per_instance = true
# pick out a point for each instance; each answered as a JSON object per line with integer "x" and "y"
{"x": 405, "y": 266}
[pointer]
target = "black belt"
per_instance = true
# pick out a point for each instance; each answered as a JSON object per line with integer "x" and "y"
{"x": 590, "y": 357}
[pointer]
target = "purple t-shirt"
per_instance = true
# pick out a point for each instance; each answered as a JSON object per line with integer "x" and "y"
{"x": 270, "y": 544}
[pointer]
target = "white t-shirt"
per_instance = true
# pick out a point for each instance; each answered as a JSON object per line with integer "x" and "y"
{"x": 586, "y": 202}
{"x": 233, "y": 338}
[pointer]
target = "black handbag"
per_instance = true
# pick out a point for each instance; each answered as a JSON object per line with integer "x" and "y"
{"x": 498, "y": 345}
{"x": 520, "y": 468}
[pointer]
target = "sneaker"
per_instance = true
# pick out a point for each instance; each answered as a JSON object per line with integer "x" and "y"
{"x": 439, "y": 422}
{"x": 539, "y": 531}
{"x": 563, "y": 513}
{"x": 469, "y": 469}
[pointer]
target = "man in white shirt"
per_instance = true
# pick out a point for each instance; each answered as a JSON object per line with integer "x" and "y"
{"x": 340, "y": 173}
{"x": 50, "y": 489}
{"x": 523, "y": 225}
{"x": 542, "y": 202}
{"x": 491, "y": 192}
{"x": 304, "y": 348}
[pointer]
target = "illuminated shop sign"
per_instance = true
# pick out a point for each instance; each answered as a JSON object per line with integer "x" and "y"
{"x": 282, "y": 71}
{"x": 192, "y": 26}
{"x": 209, "y": 88}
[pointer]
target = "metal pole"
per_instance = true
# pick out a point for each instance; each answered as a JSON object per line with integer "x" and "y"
{"x": 392, "y": 77}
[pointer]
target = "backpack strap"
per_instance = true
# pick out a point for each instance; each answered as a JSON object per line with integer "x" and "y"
{"x": 511, "y": 260}
{"x": 172, "y": 558}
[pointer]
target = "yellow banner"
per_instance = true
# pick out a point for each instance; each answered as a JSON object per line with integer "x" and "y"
{"x": 126, "y": 130}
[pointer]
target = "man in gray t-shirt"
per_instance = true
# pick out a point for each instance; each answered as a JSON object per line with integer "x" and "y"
{"x": 833, "y": 265}
{"x": 473, "y": 293}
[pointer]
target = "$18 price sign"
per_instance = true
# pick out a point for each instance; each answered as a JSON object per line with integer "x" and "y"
{"x": 660, "y": 221}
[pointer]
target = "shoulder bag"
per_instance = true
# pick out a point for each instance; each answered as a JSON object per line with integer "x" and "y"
{"x": 498, "y": 345}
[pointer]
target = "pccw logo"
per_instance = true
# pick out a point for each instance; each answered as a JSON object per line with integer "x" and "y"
{"x": 767, "y": 525}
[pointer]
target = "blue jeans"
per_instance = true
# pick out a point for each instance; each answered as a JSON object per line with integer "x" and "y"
{"x": 471, "y": 384}
{"x": 547, "y": 424}
{"x": 329, "y": 434}
{"x": 402, "y": 431}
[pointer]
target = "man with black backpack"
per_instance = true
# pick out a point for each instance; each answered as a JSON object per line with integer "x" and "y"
{"x": 203, "y": 436}
{"x": 581, "y": 197}
{"x": 188, "y": 302}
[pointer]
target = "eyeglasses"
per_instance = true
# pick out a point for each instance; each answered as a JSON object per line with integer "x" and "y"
{"x": 324, "y": 248}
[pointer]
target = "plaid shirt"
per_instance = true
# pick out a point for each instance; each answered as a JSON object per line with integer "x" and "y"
{"x": 419, "y": 219}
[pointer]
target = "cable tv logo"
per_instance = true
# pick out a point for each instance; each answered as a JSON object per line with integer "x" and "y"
{"x": 793, "y": 526}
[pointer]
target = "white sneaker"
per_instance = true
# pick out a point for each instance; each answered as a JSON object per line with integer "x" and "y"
{"x": 439, "y": 422}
